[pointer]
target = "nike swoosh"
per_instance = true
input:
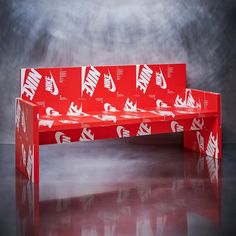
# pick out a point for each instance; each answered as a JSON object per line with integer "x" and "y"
{"x": 113, "y": 86}
{"x": 163, "y": 84}
{"x": 58, "y": 136}
{"x": 176, "y": 127}
{"x": 109, "y": 107}
{"x": 119, "y": 129}
{"x": 55, "y": 92}
{"x": 49, "y": 111}
{"x": 160, "y": 103}
{"x": 144, "y": 129}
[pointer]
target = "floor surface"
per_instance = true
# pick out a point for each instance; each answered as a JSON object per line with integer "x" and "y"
{"x": 115, "y": 187}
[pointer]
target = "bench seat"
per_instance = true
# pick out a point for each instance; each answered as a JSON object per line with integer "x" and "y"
{"x": 106, "y": 118}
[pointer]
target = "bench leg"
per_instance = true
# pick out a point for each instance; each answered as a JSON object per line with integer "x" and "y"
{"x": 207, "y": 140}
{"x": 27, "y": 159}
{"x": 27, "y": 206}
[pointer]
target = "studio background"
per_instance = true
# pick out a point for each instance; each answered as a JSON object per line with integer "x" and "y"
{"x": 45, "y": 33}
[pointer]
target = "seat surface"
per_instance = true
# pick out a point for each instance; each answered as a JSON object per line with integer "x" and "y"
{"x": 105, "y": 118}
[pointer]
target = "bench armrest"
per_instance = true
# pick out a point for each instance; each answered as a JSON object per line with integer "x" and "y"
{"x": 27, "y": 138}
{"x": 26, "y": 117}
{"x": 208, "y": 100}
{"x": 198, "y": 99}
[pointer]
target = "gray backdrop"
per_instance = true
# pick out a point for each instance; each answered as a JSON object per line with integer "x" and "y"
{"x": 58, "y": 33}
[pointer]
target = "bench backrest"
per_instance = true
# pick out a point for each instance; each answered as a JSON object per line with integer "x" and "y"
{"x": 70, "y": 90}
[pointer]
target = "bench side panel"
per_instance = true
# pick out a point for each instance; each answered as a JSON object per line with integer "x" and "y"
{"x": 27, "y": 139}
{"x": 208, "y": 140}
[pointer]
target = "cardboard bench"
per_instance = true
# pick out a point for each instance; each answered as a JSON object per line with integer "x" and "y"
{"x": 63, "y": 105}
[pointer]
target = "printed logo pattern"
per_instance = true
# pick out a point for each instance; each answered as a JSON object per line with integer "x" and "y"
{"x": 212, "y": 146}
{"x": 31, "y": 84}
{"x": 74, "y": 110}
{"x": 50, "y": 85}
{"x": 109, "y": 82}
{"x": 52, "y": 112}
{"x": 17, "y": 117}
{"x": 160, "y": 80}
{"x": 28, "y": 161}
{"x": 106, "y": 117}
{"x": 144, "y": 129}
{"x": 176, "y": 127}
{"x": 200, "y": 141}
{"x": 160, "y": 103}
{"x": 213, "y": 169}
{"x": 188, "y": 101}
{"x": 144, "y": 78}
{"x": 109, "y": 107}
{"x": 122, "y": 132}
{"x": 163, "y": 113}
{"x": 130, "y": 106}
{"x": 68, "y": 121}
{"x": 62, "y": 138}
{"x": 23, "y": 121}
{"x": 197, "y": 124}
{"x": 48, "y": 123}
{"x": 86, "y": 135}
{"x": 91, "y": 80}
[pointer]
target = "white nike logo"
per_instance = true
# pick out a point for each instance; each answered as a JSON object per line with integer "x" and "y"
{"x": 48, "y": 123}
{"x": 144, "y": 129}
{"x": 90, "y": 82}
{"x": 161, "y": 222}
{"x": 212, "y": 146}
{"x": 188, "y": 100}
{"x": 122, "y": 132}
{"x": 75, "y": 111}
{"x": 109, "y": 107}
{"x": 29, "y": 161}
{"x": 23, "y": 154}
{"x": 160, "y": 103}
{"x": 30, "y": 164}
{"x": 160, "y": 80}
{"x": 176, "y": 127}
{"x": 30, "y": 86}
{"x": 163, "y": 113}
{"x": 23, "y": 121}
{"x": 17, "y": 117}
{"x": 130, "y": 106}
{"x": 213, "y": 168}
{"x": 50, "y": 85}
{"x": 197, "y": 124}
{"x": 106, "y": 117}
{"x": 69, "y": 121}
{"x": 62, "y": 138}
{"x": 86, "y": 135}
{"x": 141, "y": 110}
{"x": 52, "y": 112}
{"x": 144, "y": 79}
{"x": 130, "y": 116}
{"x": 200, "y": 141}
{"x": 109, "y": 82}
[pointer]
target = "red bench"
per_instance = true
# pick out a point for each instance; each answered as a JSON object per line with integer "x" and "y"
{"x": 62, "y": 105}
